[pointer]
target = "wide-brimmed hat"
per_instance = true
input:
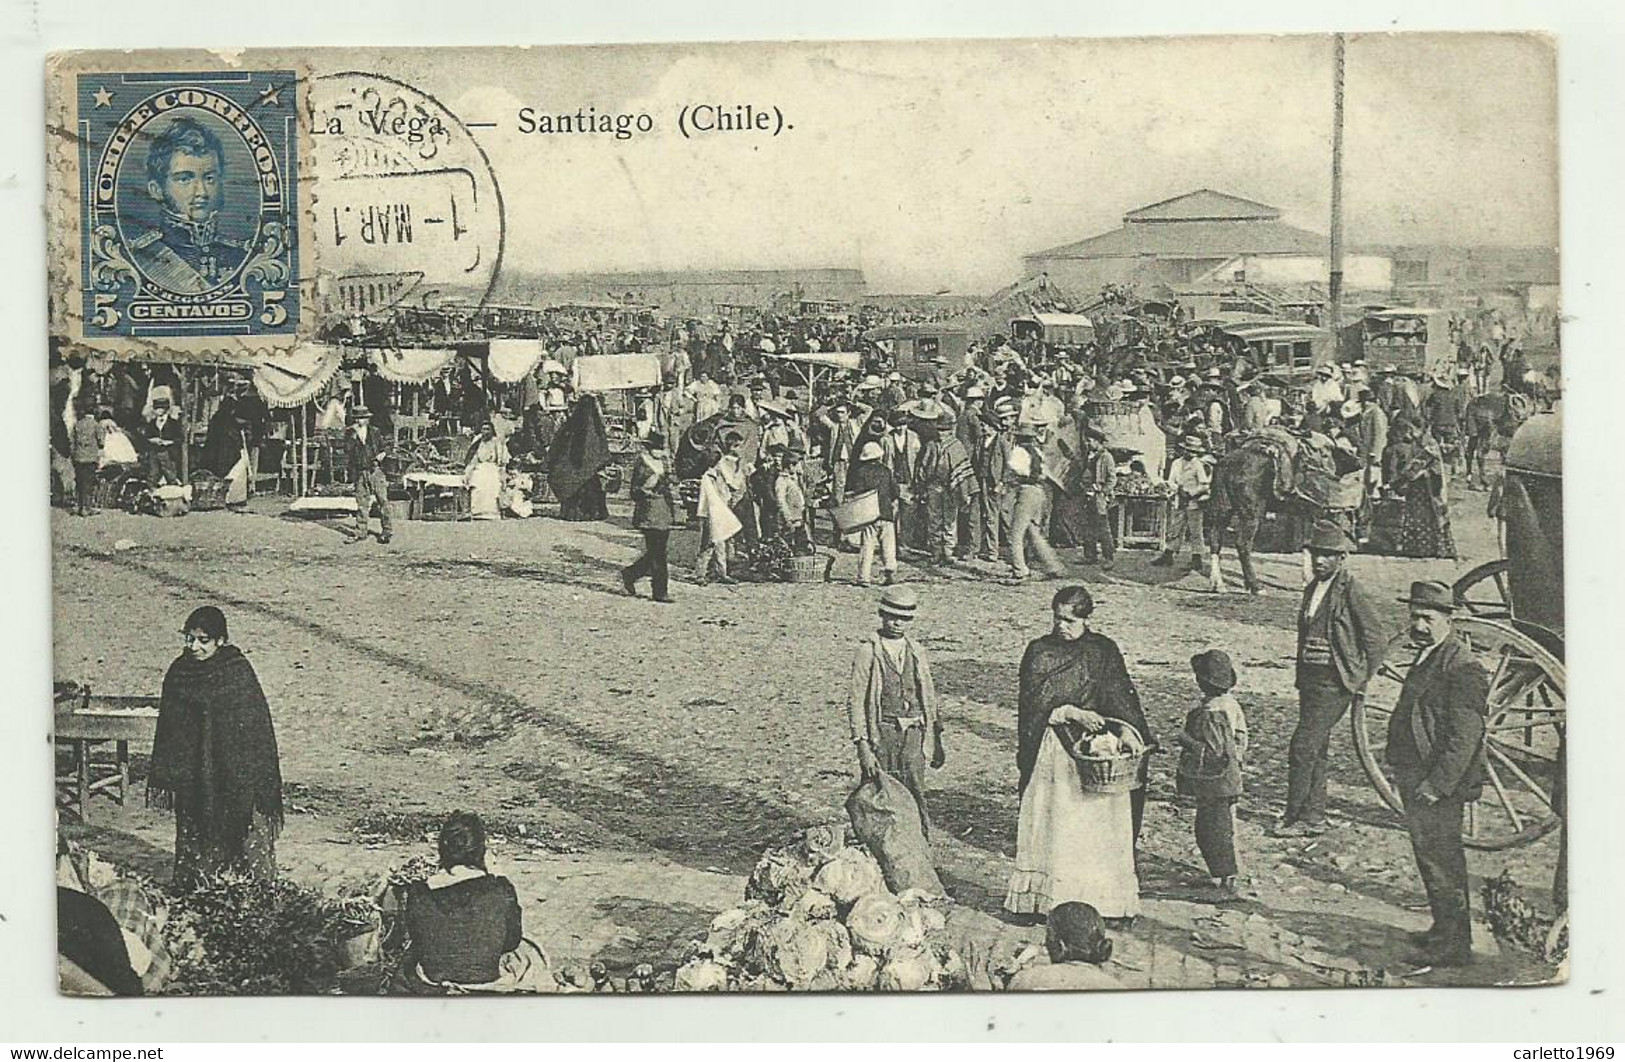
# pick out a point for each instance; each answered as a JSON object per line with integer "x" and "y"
{"x": 946, "y": 418}
{"x": 1177, "y": 381}
{"x": 1328, "y": 537}
{"x": 554, "y": 366}
{"x": 778, "y": 409}
{"x": 1193, "y": 444}
{"x": 975, "y": 391}
{"x": 1349, "y": 409}
{"x": 1323, "y": 370}
{"x": 1432, "y": 595}
{"x": 1214, "y": 373}
{"x": 1442, "y": 379}
{"x": 871, "y": 383}
{"x": 357, "y": 413}
{"x": 1095, "y": 433}
{"x": 871, "y": 451}
{"x": 899, "y": 601}
{"x": 925, "y": 409}
{"x": 1213, "y": 669}
{"x": 1005, "y": 406}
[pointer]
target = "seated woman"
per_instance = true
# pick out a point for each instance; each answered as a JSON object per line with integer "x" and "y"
{"x": 1078, "y": 947}
{"x": 464, "y": 923}
{"x": 487, "y": 459}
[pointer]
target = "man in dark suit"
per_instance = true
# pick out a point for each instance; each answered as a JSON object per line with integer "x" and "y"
{"x": 1340, "y": 645}
{"x": 366, "y": 451}
{"x": 1436, "y": 751}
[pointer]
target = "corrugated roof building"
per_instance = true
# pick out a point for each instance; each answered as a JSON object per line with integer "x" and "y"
{"x": 1202, "y": 236}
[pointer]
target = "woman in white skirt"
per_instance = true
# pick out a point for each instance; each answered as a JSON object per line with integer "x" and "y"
{"x": 1073, "y": 845}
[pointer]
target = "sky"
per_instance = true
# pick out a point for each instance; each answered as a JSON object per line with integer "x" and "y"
{"x": 936, "y": 165}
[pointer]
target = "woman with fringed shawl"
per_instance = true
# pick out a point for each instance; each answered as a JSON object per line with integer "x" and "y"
{"x": 214, "y": 757}
{"x": 1071, "y": 844}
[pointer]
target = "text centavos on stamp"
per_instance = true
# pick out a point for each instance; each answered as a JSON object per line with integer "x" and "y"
{"x": 189, "y": 203}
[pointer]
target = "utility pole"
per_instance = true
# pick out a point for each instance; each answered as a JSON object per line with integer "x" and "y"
{"x": 1334, "y": 287}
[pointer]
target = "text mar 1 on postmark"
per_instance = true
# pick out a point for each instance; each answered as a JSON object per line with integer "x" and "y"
{"x": 190, "y": 203}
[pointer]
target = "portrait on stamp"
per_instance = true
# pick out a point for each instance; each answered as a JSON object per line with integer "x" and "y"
{"x": 190, "y": 206}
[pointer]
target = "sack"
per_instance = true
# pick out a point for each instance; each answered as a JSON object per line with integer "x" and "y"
{"x": 886, "y": 821}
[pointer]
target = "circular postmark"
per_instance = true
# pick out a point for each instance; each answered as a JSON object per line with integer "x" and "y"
{"x": 407, "y": 208}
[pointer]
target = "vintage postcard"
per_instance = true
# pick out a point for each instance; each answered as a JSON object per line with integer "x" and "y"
{"x": 842, "y": 517}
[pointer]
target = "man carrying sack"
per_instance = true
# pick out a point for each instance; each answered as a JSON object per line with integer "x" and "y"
{"x": 1436, "y": 750}
{"x": 891, "y": 706}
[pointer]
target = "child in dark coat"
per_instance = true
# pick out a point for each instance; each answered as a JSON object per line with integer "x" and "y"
{"x": 1213, "y": 744}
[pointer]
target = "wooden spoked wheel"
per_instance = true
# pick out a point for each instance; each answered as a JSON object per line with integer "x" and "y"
{"x": 1483, "y": 592}
{"x": 1524, "y": 725}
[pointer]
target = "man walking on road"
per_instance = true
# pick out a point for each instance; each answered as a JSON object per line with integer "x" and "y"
{"x": 366, "y": 448}
{"x": 1436, "y": 750}
{"x": 1340, "y": 645}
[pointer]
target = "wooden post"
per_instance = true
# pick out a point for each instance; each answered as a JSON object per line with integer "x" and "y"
{"x": 183, "y": 384}
{"x": 81, "y": 756}
{"x": 1334, "y": 286}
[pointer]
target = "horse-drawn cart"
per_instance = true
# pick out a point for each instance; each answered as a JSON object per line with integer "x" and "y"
{"x": 1511, "y": 615}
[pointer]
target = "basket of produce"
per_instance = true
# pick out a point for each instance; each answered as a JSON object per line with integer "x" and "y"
{"x": 856, "y": 513}
{"x": 209, "y": 492}
{"x": 1106, "y": 763}
{"x": 813, "y": 568}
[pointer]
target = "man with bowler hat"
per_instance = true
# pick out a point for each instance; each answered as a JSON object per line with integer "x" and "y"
{"x": 1340, "y": 645}
{"x": 366, "y": 450}
{"x": 1436, "y": 752}
{"x": 654, "y": 512}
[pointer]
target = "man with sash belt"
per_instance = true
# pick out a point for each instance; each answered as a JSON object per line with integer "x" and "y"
{"x": 1340, "y": 646}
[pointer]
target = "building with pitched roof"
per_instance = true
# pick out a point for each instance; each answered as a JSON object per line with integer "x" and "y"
{"x": 1203, "y": 237}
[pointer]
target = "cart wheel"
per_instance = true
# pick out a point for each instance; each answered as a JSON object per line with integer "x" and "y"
{"x": 1524, "y": 724}
{"x": 1483, "y": 592}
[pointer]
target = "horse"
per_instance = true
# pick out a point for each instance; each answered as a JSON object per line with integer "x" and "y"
{"x": 1490, "y": 417}
{"x": 1248, "y": 482}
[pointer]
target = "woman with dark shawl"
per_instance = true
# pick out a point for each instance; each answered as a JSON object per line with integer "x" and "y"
{"x": 1073, "y": 845}
{"x": 578, "y": 453}
{"x": 214, "y": 757}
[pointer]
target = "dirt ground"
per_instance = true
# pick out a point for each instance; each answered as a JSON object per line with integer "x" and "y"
{"x": 634, "y": 759}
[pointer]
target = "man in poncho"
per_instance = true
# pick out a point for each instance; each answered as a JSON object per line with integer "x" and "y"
{"x": 946, "y": 483}
{"x": 214, "y": 757}
{"x": 579, "y": 452}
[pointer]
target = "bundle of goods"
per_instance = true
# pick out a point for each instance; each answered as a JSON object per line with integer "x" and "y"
{"x": 209, "y": 491}
{"x": 1140, "y": 485}
{"x": 818, "y": 916}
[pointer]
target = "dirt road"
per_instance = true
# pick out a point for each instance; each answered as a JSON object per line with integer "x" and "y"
{"x": 635, "y": 759}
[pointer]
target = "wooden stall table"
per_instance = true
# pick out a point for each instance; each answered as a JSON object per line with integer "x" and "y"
{"x": 437, "y": 496}
{"x": 85, "y": 722}
{"x": 1142, "y": 519}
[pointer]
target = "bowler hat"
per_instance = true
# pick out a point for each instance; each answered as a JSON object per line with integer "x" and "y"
{"x": 1213, "y": 669}
{"x": 1328, "y": 537}
{"x": 899, "y": 601}
{"x": 1431, "y": 595}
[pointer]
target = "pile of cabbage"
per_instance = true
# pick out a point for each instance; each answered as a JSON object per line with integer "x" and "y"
{"x": 818, "y": 917}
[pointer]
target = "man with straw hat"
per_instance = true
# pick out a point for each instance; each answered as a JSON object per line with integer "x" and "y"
{"x": 891, "y": 706}
{"x": 1340, "y": 646}
{"x": 1191, "y": 475}
{"x": 1436, "y": 751}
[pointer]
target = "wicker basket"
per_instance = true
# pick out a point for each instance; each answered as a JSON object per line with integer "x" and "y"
{"x": 856, "y": 512}
{"x": 811, "y": 569}
{"x": 209, "y": 493}
{"x": 1103, "y": 774}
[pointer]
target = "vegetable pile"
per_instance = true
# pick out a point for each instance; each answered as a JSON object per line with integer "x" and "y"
{"x": 818, "y": 917}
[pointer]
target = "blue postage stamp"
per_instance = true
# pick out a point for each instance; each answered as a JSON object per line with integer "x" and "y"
{"x": 189, "y": 203}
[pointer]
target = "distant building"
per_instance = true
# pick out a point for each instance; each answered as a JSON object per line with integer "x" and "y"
{"x": 1204, "y": 237}
{"x": 686, "y": 291}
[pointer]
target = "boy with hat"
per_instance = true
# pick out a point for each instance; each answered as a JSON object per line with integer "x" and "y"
{"x": 891, "y": 705}
{"x": 1097, "y": 480}
{"x": 1340, "y": 646}
{"x": 1436, "y": 751}
{"x": 1213, "y": 744}
{"x": 164, "y": 439}
{"x": 365, "y": 446}
{"x": 87, "y": 439}
{"x": 1191, "y": 475}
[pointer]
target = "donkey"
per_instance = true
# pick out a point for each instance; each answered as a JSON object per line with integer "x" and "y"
{"x": 1490, "y": 417}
